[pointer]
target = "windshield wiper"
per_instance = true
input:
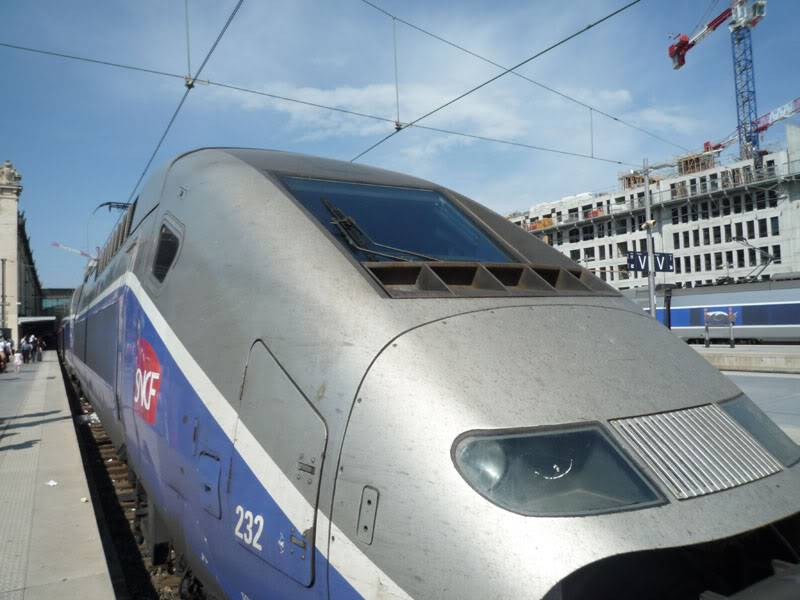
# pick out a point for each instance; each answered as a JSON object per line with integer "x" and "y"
{"x": 358, "y": 238}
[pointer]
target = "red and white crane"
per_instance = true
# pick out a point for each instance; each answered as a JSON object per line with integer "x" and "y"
{"x": 741, "y": 17}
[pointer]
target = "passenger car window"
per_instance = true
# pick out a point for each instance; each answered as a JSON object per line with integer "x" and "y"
{"x": 382, "y": 223}
{"x": 166, "y": 251}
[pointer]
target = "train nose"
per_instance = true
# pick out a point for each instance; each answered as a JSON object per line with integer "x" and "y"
{"x": 425, "y": 505}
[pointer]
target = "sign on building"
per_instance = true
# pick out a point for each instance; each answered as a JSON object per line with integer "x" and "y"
{"x": 637, "y": 261}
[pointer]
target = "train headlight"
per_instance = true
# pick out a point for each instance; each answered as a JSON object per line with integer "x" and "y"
{"x": 565, "y": 472}
{"x": 765, "y": 430}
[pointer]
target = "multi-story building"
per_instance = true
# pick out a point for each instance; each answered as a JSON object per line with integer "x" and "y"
{"x": 20, "y": 289}
{"x": 722, "y": 222}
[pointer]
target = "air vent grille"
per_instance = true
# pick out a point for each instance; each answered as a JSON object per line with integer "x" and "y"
{"x": 696, "y": 451}
{"x": 446, "y": 279}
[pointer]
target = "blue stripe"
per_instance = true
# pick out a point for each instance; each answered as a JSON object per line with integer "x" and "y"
{"x": 174, "y": 457}
{"x": 762, "y": 314}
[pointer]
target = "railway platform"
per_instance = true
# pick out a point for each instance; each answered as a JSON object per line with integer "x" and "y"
{"x": 746, "y": 357}
{"x": 50, "y": 546}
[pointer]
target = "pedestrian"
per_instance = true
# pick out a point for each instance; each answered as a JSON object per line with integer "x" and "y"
{"x": 25, "y": 349}
{"x": 40, "y": 347}
{"x": 17, "y": 362}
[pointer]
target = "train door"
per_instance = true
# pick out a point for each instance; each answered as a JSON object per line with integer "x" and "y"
{"x": 272, "y": 494}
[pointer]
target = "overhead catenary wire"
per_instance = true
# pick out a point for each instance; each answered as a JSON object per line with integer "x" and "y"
{"x": 189, "y": 87}
{"x": 499, "y": 75}
{"x": 546, "y": 87}
{"x": 318, "y": 105}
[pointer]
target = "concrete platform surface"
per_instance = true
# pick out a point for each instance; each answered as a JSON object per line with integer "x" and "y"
{"x": 748, "y": 357}
{"x": 49, "y": 542}
{"x": 776, "y": 395}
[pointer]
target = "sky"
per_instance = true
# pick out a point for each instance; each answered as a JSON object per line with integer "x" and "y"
{"x": 80, "y": 134}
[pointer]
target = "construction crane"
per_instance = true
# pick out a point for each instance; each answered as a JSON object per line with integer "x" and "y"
{"x": 60, "y": 246}
{"x": 743, "y": 17}
{"x": 761, "y": 124}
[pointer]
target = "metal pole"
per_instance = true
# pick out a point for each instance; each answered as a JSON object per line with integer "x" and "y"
{"x": 3, "y": 295}
{"x": 651, "y": 275}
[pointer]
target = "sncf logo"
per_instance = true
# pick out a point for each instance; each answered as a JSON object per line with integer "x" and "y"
{"x": 147, "y": 382}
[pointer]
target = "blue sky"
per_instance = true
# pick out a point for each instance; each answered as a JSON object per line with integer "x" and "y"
{"x": 80, "y": 134}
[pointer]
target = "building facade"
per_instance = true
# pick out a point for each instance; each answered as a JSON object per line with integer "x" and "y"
{"x": 732, "y": 222}
{"x": 20, "y": 288}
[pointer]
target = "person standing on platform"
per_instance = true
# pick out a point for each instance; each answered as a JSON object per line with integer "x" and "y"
{"x": 17, "y": 362}
{"x": 40, "y": 347}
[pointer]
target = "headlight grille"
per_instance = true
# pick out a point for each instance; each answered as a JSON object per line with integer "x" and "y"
{"x": 696, "y": 451}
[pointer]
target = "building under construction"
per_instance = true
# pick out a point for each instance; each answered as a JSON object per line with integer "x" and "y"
{"x": 722, "y": 222}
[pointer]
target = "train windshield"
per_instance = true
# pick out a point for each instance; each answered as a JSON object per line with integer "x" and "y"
{"x": 380, "y": 223}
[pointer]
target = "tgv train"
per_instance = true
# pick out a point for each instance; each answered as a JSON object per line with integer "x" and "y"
{"x": 335, "y": 381}
{"x": 764, "y": 311}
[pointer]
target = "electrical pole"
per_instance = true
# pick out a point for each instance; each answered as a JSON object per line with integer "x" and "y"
{"x": 648, "y": 225}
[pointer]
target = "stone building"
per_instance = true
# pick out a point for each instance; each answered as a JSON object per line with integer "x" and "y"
{"x": 20, "y": 289}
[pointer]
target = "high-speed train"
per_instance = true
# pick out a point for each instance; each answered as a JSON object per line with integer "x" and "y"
{"x": 335, "y": 381}
{"x": 763, "y": 311}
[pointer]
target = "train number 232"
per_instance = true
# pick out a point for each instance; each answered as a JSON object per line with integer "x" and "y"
{"x": 245, "y": 525}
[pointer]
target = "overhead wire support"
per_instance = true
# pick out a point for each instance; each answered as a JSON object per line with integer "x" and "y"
{"x": 397, "y": 125}
{"x": 499, "y": 75}
{"x": 189, "y": 85}
{"x": 524, "y": 77}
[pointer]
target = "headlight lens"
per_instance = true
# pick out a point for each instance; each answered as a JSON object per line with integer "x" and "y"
{"x": 576, "y": 471}
{"x": 764, "y": 429}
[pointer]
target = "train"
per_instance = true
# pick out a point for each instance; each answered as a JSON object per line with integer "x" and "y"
{"x": 334, "y": 381}
{"x": 762, "y": 311}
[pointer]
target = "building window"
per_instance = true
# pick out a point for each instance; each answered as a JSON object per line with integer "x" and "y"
{"x": 726, "y": 206}
{"x": 696, "y": 237}
{"x": 685, "y": 239}
{"x": 559, "y": 238}
{"x": 677, "y": 265}
{"x": 751, "y": 230}
{"x": 707, "y": 261}
{"x": 728, "y": 232}
{"x": 703, "y": 186}
{"x": 588, "y": 233}
{"x": 739, "y": 233}
{"x": 740, "y": 259}
{"x": 761, "y": 200}
{"x": 676, "y": 241}
{"x": 729, "y": 259}
{"x": 773, "y": 223}
{"x": 684, "y": 214}
{"x": 776, "y": 253}
{"x": 718, "y": 260}
{"x": 748, "y": 202}
{"x": 687, "y": 264}
{"x": 713, "y": 181}
{"x": 601, "y": 230}
{"x": 703, "y": 207}
{"x": 574, "y": 236}
{"x": 772, "y": 198}
{"x": 706, "y": 237}
{"x": 602, "y": 250}
{"x": 643, "y": 245}
{"x": 762, "y": 228}
{"x": 717, "y": 232}
{"x": 588, "y": 254}
{"x": 751, "y": 256}
{"x": 697, "y": 263}
{"x": 622, "y": 227}
{"x": 622, "y": 248}
{"x": 694, "y": 211}
{"x": 575, "y": 254}
{"x": 674, "y": 216}
{"x": 737, "y": 204}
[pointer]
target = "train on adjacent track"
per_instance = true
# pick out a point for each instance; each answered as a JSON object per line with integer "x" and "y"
{"x": 334, "y": 381}
{"x": 763, "y": 311}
